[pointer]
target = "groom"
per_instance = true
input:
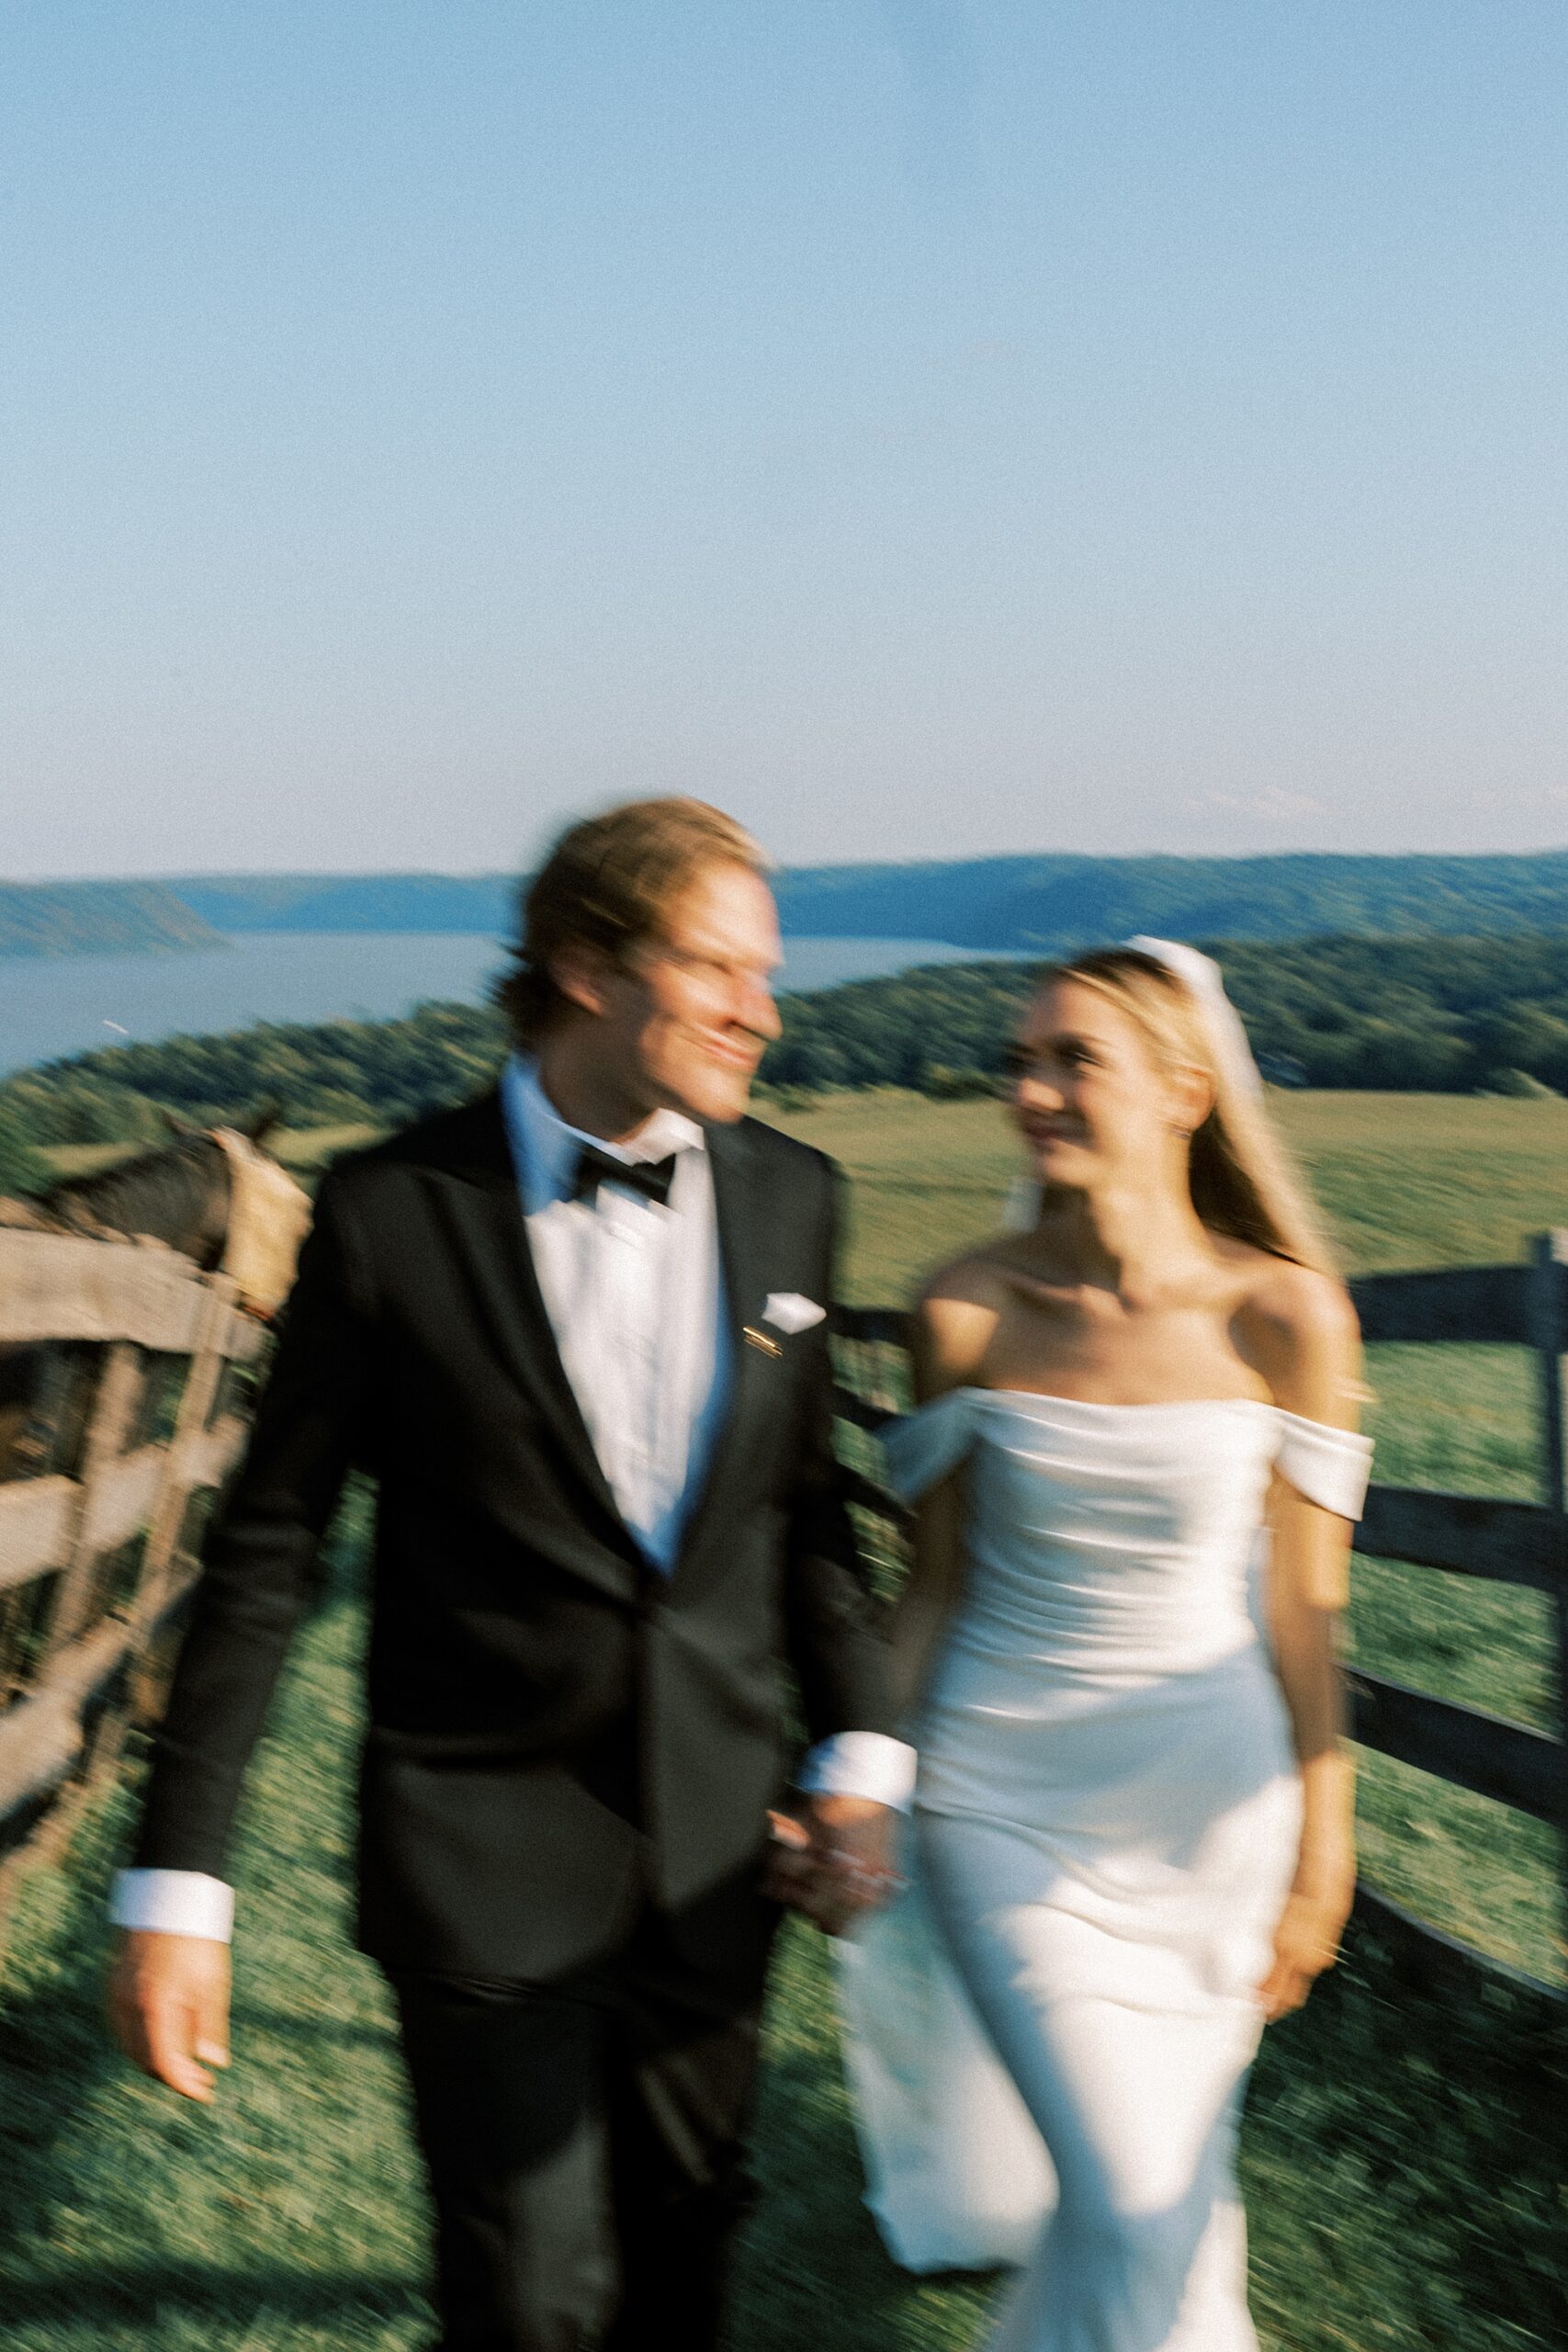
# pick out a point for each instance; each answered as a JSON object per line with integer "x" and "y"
{"x": 575, "y": 1331}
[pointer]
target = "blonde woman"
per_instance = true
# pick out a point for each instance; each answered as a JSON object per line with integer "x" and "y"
{"x": 1133, "y": 1817}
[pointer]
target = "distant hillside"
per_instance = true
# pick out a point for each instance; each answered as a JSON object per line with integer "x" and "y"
{"x": 1424, "y": 1016}
{"x": 1409, "y": 1015}
{"x": 98, "y": 918}
{"x": 1046, "y": 904}
{"x": 485, "y": 904}
{"x": 1017, "y": 904}
{"x": 1024, "y": 904}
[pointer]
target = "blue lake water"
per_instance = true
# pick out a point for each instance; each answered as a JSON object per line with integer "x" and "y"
{"x": 72, "y": 1005}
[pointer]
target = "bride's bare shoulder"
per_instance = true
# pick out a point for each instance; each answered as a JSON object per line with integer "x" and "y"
{"x": 955, "y": 1316}
{"x": 1299, "y": 1327}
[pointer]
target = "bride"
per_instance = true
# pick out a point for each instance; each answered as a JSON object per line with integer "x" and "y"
{"x": 1132, "y": 1842}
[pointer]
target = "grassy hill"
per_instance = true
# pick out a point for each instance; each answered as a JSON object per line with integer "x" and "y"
{"x": 1399, "y": 2151}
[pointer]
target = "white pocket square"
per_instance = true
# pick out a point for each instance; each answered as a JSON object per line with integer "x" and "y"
{"x": 788, "y": 1311}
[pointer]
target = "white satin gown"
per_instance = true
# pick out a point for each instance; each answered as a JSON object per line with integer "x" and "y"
{"x": 1048, "y": 2035}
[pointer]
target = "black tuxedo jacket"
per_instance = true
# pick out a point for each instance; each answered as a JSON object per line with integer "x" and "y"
{"x": 560, "y": 1735}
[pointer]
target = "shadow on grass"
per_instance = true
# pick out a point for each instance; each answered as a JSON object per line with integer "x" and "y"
{"x": 812, "y": 2270}
{"x": 120, "y": 2203}
{"x": 56, "y": 2051}
{"x": 157, "y": 2291}
{"x": 288, "y": 2025}
{"x": 1399, "y": 2159}
{"x": 1401, "y": 2165}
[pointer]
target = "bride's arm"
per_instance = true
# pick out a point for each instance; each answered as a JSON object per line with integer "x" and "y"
{"x": 929, "y": 1592}
{"x": 947, "y": 1342}
{"x": 1306, "y": 1578}
{"x": 1314, "y": 1370}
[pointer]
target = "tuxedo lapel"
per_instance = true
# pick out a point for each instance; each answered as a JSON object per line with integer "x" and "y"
{"x": 484, "y": 1218}
{"x": 743, "y": 1234}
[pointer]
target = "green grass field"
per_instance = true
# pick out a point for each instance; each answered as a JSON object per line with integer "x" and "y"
{"x": 1399, "y": 2156}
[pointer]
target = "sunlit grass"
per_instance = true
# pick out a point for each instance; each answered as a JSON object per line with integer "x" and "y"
{"x": 1399, "y": 2150}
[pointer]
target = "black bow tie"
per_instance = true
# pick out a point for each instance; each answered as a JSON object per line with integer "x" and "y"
{"x": 649, "y": 1177}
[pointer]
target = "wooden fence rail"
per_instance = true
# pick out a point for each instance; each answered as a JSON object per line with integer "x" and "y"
{"x": 81, "y": 1624}
{"x": 1473, "y": 1535}
{"x": 98, "y": 1553}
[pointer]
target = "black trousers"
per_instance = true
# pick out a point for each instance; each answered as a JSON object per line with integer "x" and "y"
{"x": 585, "y": 2143}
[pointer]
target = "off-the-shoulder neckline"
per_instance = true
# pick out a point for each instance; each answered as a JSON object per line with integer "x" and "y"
{"x": 1165, "y": 1405}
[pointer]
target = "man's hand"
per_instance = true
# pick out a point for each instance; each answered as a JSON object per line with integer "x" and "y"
{"x": 832, "y": 1860}
{"x": 169, "y": 2004}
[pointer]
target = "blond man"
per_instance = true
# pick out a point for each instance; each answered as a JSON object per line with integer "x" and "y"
{"x": 576, "y": 1330}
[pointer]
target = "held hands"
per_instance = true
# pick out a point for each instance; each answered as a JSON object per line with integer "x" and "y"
{"x": 168, "y": 2000}
{"x": 831, "y": 1859}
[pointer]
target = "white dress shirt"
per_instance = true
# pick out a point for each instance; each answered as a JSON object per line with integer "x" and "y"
{"x": 633, "y": 1289}
{"x": 635, "y": 1295}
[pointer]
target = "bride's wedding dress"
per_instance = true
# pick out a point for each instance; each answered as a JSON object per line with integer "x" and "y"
{"x": 1105, "y": 1830}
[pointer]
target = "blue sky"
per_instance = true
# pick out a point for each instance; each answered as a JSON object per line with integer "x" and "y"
{"x": 925, "y": 429}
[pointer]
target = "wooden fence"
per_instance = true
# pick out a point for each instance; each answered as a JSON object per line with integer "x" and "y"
{"x": 1472, "y": 1535}
{"x": 97, "y": 1555}
{"x": 142, "y": 1359}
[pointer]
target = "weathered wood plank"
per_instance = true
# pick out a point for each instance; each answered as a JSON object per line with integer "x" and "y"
{"x": 1473, "y": 1535}
{"x": 54, "y": 1287}
{"x": 888, "y": 1325}
{"x": 207, "y": 1456}
{"x": 871, "y": 1497}
{"x": 120, "y": 1388}
{"x": 120, "y": 1500}
{"x": 1435, "y": 1960}
{"x": 41, "y": 1737}
{"x": 1548, "y": 1271}
{"x": 1475, "y": 1750}
{"x": 37, "y": 1515}
{"x": 244, "y": 1339}
{"x": 41, "y": 1520}
{"x": 1489, "y": 1304}
{"x": 865, "y": 1415}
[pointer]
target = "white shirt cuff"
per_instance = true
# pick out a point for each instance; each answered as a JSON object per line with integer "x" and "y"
{"x": 861, "y": 1764}
{"x": 174, "y": 1903}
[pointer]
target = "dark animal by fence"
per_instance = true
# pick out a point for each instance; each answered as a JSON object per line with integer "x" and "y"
{"x": 122, "y": 1408}
{"x": 215, "y": 1197}
{"x": 96, "y": 1557}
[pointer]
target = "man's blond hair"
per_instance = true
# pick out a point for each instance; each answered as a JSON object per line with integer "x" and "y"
{"x": 609, "y": 883}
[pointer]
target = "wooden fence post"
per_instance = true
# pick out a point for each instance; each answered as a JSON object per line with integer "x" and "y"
{"x": 1549, "y": 1262}
{"x": 114, "y": 1408}
{"x": 203, "y": 1373}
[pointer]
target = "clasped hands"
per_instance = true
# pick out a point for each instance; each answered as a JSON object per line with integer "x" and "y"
{"x": 831, "y": 1859}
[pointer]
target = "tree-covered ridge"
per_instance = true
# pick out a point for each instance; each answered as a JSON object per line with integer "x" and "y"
{"x": 98, "y": 918}
{"x": 1440, "y": 1015}
{"x": 1039, "y": 905}
{"x": 1045, "y": 905}
{"x": 482, "y": 904}
{"x": 1423, "y": 1015}
{"x": 328, "y": 1074}
{"x": 1015, "y": 905}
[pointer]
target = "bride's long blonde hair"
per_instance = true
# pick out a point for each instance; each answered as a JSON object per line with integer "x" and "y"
{"x": 1242, "y": 1179}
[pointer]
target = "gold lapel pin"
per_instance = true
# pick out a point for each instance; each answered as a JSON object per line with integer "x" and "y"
{"x": 760, "y": 1340}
